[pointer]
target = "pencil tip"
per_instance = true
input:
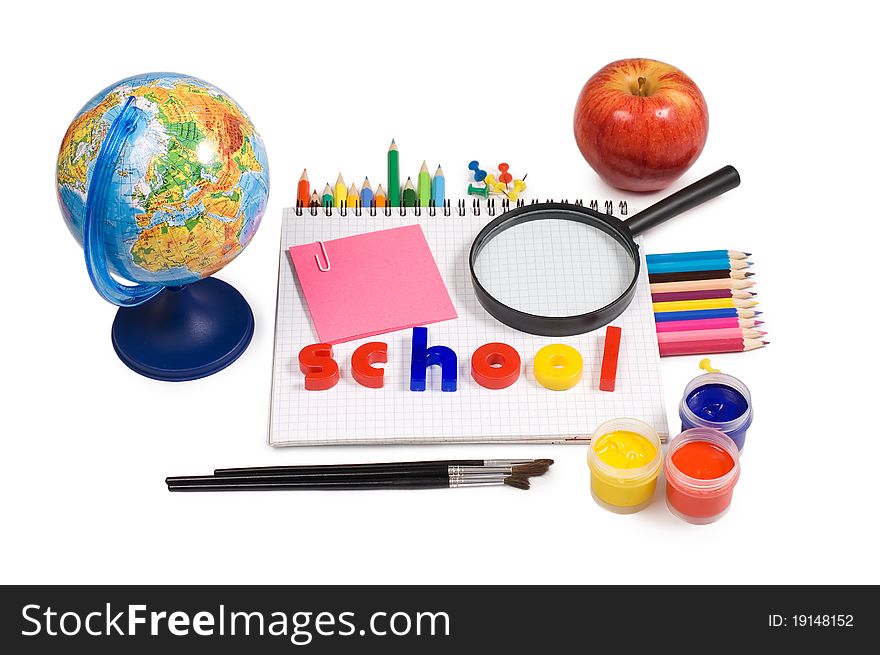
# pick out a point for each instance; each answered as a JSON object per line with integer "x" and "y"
{"x": 749, "y": 274}
{"x": 747, "y": 254}
{"x": 759, "y": 322}
{"x": 758, "y": 313}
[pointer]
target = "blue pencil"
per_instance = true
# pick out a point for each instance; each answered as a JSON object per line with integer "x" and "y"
{"x": 698, "y": 254}
{"x": 366, "y": 194}
{"x": 686, "y": 266}
{"x": 438, "y": 188}
{"x": 699, "y": 314}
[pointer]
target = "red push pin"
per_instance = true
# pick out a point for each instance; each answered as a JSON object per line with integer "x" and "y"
{"x": 503, "y": 176}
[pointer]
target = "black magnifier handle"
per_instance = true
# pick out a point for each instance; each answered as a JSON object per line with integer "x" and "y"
{"x": 711, "y": 186}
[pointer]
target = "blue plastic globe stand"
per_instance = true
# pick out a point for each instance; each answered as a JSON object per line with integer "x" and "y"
{"x": 184, "y": 333}
{"x": 165, "y": 333}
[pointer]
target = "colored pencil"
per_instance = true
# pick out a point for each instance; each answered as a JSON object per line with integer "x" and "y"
{"x": 704, "y": 313}
{"x": 339, "y": 191}
{"x": 380, "y": 197}
{"x": 704, "y": 335}
{"x": 710, "y": 346}
{"x": 698, "y": 285}
{"x": 393, "y": 175}
{"x": 438, "y": 188}
{"x": 410, "y": 198}
{"x": 302, "y": 190}
{"x": 702, "y": 294}
{"x": 315, "y": 200}
{"x": 698, "y": 265}
{"x": 424, "y": 185}
{"x": 366, "y": 194}
{"x": 698, "y": 275}
{"x": 709, "y": 303}
{"x": 707, "y": 324}
{"x": 351, "y": 200}
{"x": 698, "y": 254}
{"x": 327, "y": 197}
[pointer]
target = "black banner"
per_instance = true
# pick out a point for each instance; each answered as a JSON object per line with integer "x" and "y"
{"x": 415, "y": 619}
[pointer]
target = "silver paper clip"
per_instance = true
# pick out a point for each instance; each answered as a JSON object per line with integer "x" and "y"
{"x": 321, "y": 268}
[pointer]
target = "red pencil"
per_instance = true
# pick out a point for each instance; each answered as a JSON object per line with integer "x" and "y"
{"x": 703, "y": 294}
{"x": 709, "y": 347}
{"x": 303, "y": 195}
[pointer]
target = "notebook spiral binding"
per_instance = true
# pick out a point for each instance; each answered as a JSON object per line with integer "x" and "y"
{"x": 461, "y": 206}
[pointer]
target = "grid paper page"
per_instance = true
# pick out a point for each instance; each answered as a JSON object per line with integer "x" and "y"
{"x": 524, "y": 412}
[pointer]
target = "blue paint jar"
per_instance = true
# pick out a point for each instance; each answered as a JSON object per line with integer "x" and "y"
{"x": 718, "y": 401}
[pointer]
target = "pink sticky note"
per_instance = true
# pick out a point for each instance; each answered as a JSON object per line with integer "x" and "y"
{"x": 377, "y": 282}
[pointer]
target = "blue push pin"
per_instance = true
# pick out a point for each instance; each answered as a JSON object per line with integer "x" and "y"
{"x": 479, "y": 173}
{"x": 423, "y": 357}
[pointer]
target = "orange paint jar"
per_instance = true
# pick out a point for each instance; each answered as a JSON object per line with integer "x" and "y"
{"x": 702, "y": 468}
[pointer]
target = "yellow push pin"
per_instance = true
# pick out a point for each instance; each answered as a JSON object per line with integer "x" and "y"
{"x": 706, "y": 365}
{"x": 494, "y": 185}
{"x": 518, "y": 187}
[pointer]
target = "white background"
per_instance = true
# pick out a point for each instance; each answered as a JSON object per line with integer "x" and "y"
{"x": 86, "y": 444}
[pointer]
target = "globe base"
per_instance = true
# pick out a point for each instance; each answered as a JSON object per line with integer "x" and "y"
{"x": 184, "y": 333}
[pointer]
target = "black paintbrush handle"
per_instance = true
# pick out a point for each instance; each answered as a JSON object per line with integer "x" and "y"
{"x": 709, "y": 187}
{"x": 258, "y": 485}
{"x": 348, "y": 468}
{"x": 317, "y": 476}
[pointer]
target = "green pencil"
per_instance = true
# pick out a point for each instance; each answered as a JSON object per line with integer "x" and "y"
{"x": 424, "y": 186}
{"x": 327, "y": 198}
{"x": 393, "y": 175}
{"x": 409, "y": 194}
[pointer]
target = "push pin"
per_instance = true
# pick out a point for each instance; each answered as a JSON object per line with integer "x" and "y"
{"x": 482, "y": 191}
{"x": 494, "y": 185}
{"x": 504, "y": 177}
{"x": 479, "y": 173}
{"x": 518, "y": 187}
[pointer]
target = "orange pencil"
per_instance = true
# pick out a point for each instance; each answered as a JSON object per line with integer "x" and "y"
{"x": 380, "y": 199}
{"x": 303, "y": 194}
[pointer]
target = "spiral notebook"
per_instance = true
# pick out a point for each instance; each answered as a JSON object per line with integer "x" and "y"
{"x": 525, "y": 412}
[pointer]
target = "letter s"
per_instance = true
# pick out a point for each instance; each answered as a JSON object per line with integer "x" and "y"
{"x": 24, "y": 615}
{"x": 322, "y": 371}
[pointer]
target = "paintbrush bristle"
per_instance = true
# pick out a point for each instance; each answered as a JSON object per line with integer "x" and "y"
{"x": 533, "y": 468}
{"x": 549, "y": 462}
{"x": 517, "y": 481}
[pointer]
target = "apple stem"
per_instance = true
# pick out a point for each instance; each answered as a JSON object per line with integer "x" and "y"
{"x": 643, "y": 91}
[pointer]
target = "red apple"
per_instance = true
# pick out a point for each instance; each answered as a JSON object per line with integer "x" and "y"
{"x": 640, "y": 124}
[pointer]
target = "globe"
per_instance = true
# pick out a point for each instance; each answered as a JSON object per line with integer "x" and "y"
{"x": 163, "y": 179}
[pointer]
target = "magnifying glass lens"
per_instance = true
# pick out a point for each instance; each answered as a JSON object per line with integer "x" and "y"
{"x": 554, "y": 267}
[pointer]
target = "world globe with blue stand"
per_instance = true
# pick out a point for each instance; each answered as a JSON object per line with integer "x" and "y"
{"x": 163, "y": 180}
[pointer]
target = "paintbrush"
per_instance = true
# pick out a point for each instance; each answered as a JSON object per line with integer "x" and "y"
{"x": 451, "y": 481}
{"x": 517, "y": 466}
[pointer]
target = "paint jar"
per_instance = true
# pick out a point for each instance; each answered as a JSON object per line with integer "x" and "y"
{"x": 718, "y": 401}
{"x": 624, "y": 460}
{"x": 702, "y": 468}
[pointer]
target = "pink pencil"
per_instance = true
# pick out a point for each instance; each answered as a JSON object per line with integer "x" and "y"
{"x": 709, "y": 346}
{"x": 702, "y": 335}
{"x": 706, "y": 324}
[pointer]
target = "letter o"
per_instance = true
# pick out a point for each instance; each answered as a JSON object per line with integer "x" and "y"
{"x": 558, "y": 366}
{"x": 495, "y": 365}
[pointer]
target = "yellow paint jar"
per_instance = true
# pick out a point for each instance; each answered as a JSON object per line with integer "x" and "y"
{"x": 624, "y": 460}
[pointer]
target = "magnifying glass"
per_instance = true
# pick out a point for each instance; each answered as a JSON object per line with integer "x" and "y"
{"x": 556, "y": 269}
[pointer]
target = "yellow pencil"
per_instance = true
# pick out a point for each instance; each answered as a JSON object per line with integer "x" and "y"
{"x": 339, "y": 191}
{"x": 352, "y": 200}
{"x": 711, "y": 303}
